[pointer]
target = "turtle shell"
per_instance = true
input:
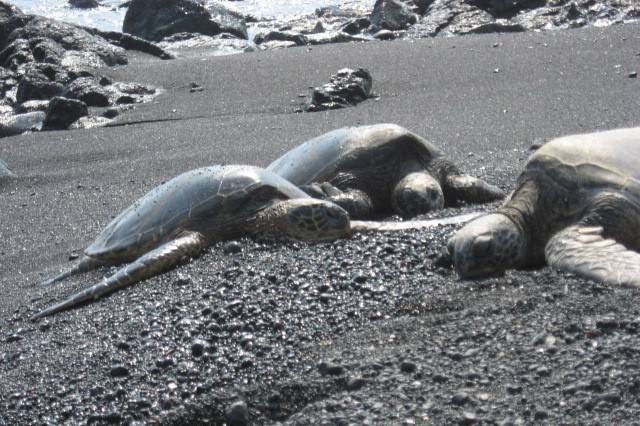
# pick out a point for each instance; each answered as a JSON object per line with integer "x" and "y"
{"x": 375, "y": 151}
{"x": 597, "y": 161}
{"x": 211, "y": 200}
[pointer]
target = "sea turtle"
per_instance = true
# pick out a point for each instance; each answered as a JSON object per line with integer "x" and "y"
{"x": 379, "y": 169}
{"x": 180, "y": 218}
{"x": 576, "y": 205}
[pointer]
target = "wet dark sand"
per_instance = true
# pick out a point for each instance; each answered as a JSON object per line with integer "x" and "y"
{"x": 72, "y": 183}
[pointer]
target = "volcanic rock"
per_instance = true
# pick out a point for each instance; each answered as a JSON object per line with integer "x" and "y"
{"x": 64, "y": 111}
{"x": 155, "y": 19}
{"x": 347, "y": 87}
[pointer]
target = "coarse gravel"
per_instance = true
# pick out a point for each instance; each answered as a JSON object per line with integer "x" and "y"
{"x": 361, "y": 331}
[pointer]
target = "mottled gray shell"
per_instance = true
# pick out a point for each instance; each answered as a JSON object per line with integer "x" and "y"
{"x": 211, "y": 200}
{"x": 591, "y": 162}
{"x": 366, "y": 148}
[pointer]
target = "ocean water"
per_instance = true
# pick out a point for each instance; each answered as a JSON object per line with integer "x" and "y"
{"x": 110, "y": 16}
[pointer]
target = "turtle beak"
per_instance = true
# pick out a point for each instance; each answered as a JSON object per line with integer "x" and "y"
{"x": 338, "y": 223}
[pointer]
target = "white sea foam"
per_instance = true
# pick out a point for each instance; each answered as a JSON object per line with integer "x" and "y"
{"x": 109, "y": 16}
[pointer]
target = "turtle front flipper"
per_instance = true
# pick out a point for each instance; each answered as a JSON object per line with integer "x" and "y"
{"x": 356, "y": 202}
{"x": 583, "y": 250}
{"x": 153, "y": 263}
{"x": 462, "y": 187}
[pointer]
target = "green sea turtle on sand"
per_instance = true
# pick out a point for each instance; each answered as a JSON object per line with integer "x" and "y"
{"x": 379, "y": 169}
{"x": 180, "y": 218}
{"x": 576, "y": 205}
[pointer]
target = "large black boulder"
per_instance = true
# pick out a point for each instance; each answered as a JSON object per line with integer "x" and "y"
{"x": 155, "y": 19}
{"x": 392, "y": 15}
{"x": 62, "y": 112}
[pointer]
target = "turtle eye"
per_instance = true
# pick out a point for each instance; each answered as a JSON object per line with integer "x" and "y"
{"x": 483, "y": 246}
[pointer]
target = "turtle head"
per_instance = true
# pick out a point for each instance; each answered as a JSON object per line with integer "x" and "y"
{"x": 486, "y": 246}
{"x": 314, "y": 220}
{"x": 417, "y": 193}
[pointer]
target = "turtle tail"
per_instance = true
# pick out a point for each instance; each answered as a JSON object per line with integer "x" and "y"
{"x": 85, "y": 264}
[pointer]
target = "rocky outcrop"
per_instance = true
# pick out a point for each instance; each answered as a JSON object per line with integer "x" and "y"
{"x": 454, "y": 17}
{"x": 46, "y": 40}
{"x": 156, "y": 19}
{"x": 346, "y": 88}
{"x": 41, "y": 59}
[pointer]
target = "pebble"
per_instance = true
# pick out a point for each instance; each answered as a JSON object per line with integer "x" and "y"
{"x": 460, "y": 398}
{"x": 541, "y": 414}
{"x": 514, "y": 389}
{"x": 14, "y": 338}
{"x": 611, "y": 397}
{"x": 468, "y": 418}
{"x": 123, "y": 346}
{"x": 119, "y": 370}
{"x": 165, "y": 362}
{"x": 237, "y": 414}
{"x": 355, "y": 383}
{"x": 232, "y": 247}
{"x": 359, "y": 278}
{"x": 330, "y": 369}
{"x": 197, "y": 347}
{"x": 408, "y": 367}
{"x": 440, "y": 378}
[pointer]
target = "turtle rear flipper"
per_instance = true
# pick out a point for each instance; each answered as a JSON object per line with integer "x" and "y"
{"x": 462, "y": 187}
{"x": 85, "y": 264}
{"x": 152, "y": 263}
{"x": 583, "y": 250}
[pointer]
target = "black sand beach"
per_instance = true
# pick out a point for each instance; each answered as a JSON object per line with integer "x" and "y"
{"x": 405, "y": 341}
